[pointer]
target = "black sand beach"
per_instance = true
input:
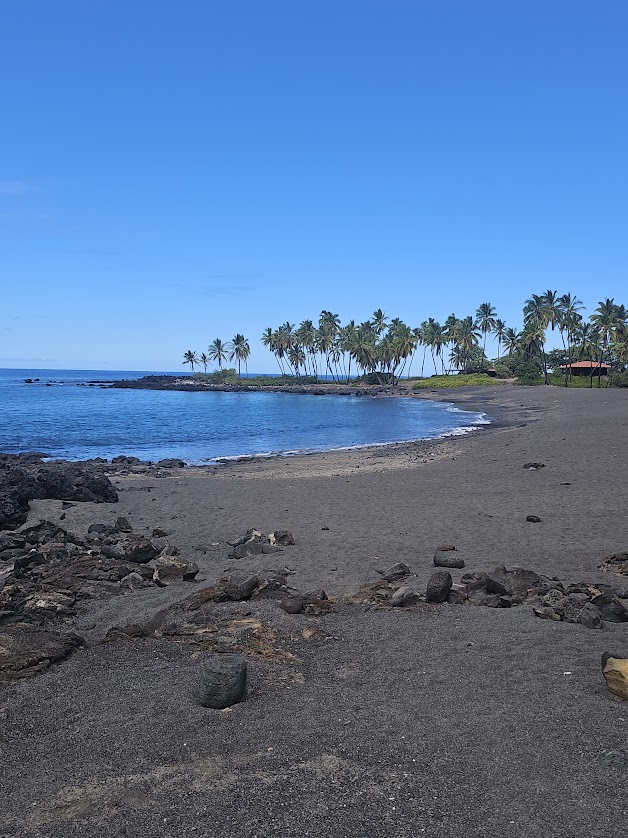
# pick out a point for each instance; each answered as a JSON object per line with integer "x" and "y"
{"x": 437, "y": 720}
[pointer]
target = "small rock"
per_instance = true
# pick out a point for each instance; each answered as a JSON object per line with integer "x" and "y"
{"x": 533, "y": 519}
{"x": 282, "y": 537}
{"x": 326, "y": 529}
{"x": 318, "y": 594}
{"x": 438, "y": 586}
{"x": 546, "y": 613}
{"x": 242, "y": 585}
{"x": 222, "y": 681}
{"x": 134, "y": 581}
{"x": 590, "y": 617}
{"x": 122, "y": 525}
{"x": 158, "y": 532}
{"x": 444, "y": 559}
{"x": 293, "y": 604}
{"x": 403, "y": 596}
{"x": 170, "y": 569}
{"x": 396, "y": 572}
{"x": 445, "y": 548}
{"x": 101, "y": 529}
{"x": 170, "y": 462}
{"x": 534, "y": 465}
{"x": 615, "y": 672}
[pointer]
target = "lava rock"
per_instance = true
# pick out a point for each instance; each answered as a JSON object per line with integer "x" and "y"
{"x": 222, "y": 681}
{"x": 445, "y": 548}
{"x": 447, "y": 559}
{"x": 158, "y": 532}
{"x": 241, "y": 585}
{"x": 122, "y": 525}
{"x": 403, "y": 596}
{"x": 610, "y": 608}
{"x": 282, "y": 537}
{"x": 169, "y": 569}
{"x": 532, "y": 466}
{"x": 533, "y": 519}
{"x": 438, "y": 586}
{"x": 396, "y": 572}
{"x": 171, "y": 462}
{"x": 101, "y": 529}
{"x": 293, "y": 604}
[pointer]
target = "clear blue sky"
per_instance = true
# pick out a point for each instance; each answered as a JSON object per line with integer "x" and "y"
{"x": 172, "y": 172}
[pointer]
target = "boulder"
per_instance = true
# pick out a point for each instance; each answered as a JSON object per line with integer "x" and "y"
{"x": 101, "y": 529}
{"x": 615, "y": 672}
{"x": 589, "y": 617}
{"x": 158, "y": 532}
{"x": 171, "y": 462}
{"x": 403, "y": 596}
{"x": 169, "y": 569}
{"x": 438, "y": 586}
{"x": 222, "y": 681}
{"x": 396, "y": 572}
{"x": 448, "y": 559}
{"x": 131, "y": 548}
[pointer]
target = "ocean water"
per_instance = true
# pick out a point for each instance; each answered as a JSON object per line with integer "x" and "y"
{"x": 80, "y": 422}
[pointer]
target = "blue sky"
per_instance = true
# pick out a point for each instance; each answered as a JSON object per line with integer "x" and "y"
{"x": 175, "y": 172}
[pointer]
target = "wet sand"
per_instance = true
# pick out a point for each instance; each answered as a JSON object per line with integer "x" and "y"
{"x": 436, "y": 720}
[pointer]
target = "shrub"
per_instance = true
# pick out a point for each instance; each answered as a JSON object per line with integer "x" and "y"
{"x": 618, "y": 379}
{"x": 451, "y": 381}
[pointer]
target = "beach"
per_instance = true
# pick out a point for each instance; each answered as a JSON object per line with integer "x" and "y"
{"x": 437, "y": 720}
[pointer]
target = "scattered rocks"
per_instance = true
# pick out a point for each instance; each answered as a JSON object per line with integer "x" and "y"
{"x": 615, "y": 672}
{"x": 396, "y": 572}
{"x": 130, "y": 548}
{"x": 438, "y": 586}
{"x": 448, "y": 559}
{"x": 533, "y": 519}
{"x": 222, "y": 681}
{"x": 101, "y": 529}
{"x": 255, "y": 543}
{"x": 617, "y": 563}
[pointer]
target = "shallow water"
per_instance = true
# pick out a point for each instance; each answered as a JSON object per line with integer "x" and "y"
{"x": 80, "y": 422}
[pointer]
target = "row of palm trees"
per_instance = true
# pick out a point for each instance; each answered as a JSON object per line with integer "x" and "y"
{"x": 218, "y": 352}
{"x": 387, "y": 348}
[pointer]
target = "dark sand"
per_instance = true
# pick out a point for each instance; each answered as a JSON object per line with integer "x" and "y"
{"x": 436, "y": 720}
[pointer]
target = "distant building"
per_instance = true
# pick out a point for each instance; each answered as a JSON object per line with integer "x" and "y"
{"x": 587, "y": 368}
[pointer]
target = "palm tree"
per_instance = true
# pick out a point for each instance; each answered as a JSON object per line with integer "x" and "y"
{"x": 218, "y": 352}
{"x": 499, "y": 330}
{"x": 204, "y": 359}
{"x": 240, "y": 350}
{"x": 467, "y": 338}
{"x": 511, "y": 340}
{"x": 536, "y": 314}
{"x": 605, "y": 320}
{"x": 485, "y": 320}
{"x": 190, "y": 358}
{"x": 379, "y": 321}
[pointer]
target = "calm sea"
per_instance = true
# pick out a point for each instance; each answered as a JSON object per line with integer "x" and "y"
{"x": 79, "y": 422}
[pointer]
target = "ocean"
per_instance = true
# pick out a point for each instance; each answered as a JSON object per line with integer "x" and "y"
{"x": 66, "y": 420}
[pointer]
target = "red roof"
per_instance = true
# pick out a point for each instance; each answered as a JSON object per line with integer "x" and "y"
{"x": 586, "y": 365}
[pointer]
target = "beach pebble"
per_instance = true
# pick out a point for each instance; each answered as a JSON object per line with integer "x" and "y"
{"x": 445, "y": 548}
{"x": 438, "y": 586}
{"x": 222, "y": 681}
{"x": 448, "y": 560}
{"x": 533, "y": 466}
{"x": 159, "y": 532}
{"x": 533, "y": 519}
{"x": 397, "y": 571}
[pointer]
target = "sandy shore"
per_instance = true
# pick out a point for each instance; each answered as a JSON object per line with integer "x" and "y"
{"x": 436, "y": 720}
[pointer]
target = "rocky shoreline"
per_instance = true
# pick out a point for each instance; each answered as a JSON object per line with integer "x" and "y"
{"x": 187, "y": 384}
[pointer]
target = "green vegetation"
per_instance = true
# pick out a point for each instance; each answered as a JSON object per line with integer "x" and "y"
{"x": 381, "y": 351}
{"x": 451, "y": 381}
